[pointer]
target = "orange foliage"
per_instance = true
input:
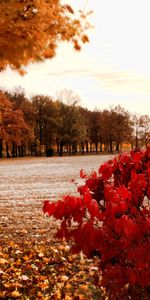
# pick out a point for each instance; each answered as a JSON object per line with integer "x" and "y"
{"x": 12, "y": 124}
{"x": 31, "y": 30}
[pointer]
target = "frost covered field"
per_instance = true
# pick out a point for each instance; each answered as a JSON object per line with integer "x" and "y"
{"x": 26, "y": 182}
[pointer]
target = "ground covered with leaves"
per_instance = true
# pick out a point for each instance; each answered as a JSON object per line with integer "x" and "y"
{"x": 35, "y": 265}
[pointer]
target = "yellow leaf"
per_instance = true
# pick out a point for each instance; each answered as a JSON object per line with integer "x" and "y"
{"x": 3, "y": 261}
{"x": 64, "y": 278}
{"x": 15, "y": 294}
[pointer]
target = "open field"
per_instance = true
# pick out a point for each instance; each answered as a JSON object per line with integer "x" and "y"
{"x": 33, "y": 265}
{"x": 26, "y": 182}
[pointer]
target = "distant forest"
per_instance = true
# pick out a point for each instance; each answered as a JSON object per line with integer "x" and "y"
{"x": 42, "y": 126}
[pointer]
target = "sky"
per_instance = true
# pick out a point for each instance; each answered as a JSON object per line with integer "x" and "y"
{"x": 113, "y": 69}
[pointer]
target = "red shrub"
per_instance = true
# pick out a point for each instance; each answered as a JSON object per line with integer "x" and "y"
{"x": 111, "y": 218}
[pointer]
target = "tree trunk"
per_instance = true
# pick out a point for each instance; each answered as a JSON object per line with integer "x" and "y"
{"x": 7, "y": 151}
{"x": 117, "y": 147}
{"x": 110, "y": 146}
{"x": 14, "y": 150}
{"x": 74, "y": 148}
{"x": 22, "y": 152}
{"x": 90, "y": 147}
{"x": 1, "y": 148}
{"x": 136, "y": 141}
{"x": 69, "y": 147}
{"x": 46, "y": 143}
{"x": 87, "y": 146}
{"x": 96, "y": 147}
{"x": 19, "y": 151}
{"x": 61, "y": 149}
{"x": 58, "y": 146}
{"x": 136, "y": 138}
{"x": 101, "y": 147}
{"x": 82, "y": 148}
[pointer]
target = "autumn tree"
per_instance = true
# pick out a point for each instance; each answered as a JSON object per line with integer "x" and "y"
{"x": 95, "y": 129}
{"x": 21, "y": 102}
{"x": 108, "y": 129}
{"x": 68, "y": 97}
{"x": 137, "y": 124}
{"x": 5, "y": 107}
{"x": 122, "y": 126}
{"x": 13, "y": 128}
{"x": 145, "y": 130}
{"x": 31, "y": 30}
{"x": 46, "y": 116}
{"x": 16, "y": 132}
{"x": 116, "y": 128}
{"x": 70, "y": 130}
{"x": 85, "y": 142}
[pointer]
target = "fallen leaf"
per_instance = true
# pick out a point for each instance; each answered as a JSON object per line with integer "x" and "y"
{"x": 3, "y": 261}
{"x": 15, "y": 294}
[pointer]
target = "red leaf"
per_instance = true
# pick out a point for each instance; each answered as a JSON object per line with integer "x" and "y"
{"x": 106, "y": 171}
{"x": 49, "y": 208}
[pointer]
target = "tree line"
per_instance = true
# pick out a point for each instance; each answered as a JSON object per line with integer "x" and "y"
{"x": 46, "y": 126}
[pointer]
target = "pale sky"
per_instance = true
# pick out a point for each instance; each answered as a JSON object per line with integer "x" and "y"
{"x": 113, "y": 69}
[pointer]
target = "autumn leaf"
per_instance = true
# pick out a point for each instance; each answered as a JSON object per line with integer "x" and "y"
{"x": 15, "y": 294}
{"x": 3, "y": 261}
{"x": 85, "y": 39}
